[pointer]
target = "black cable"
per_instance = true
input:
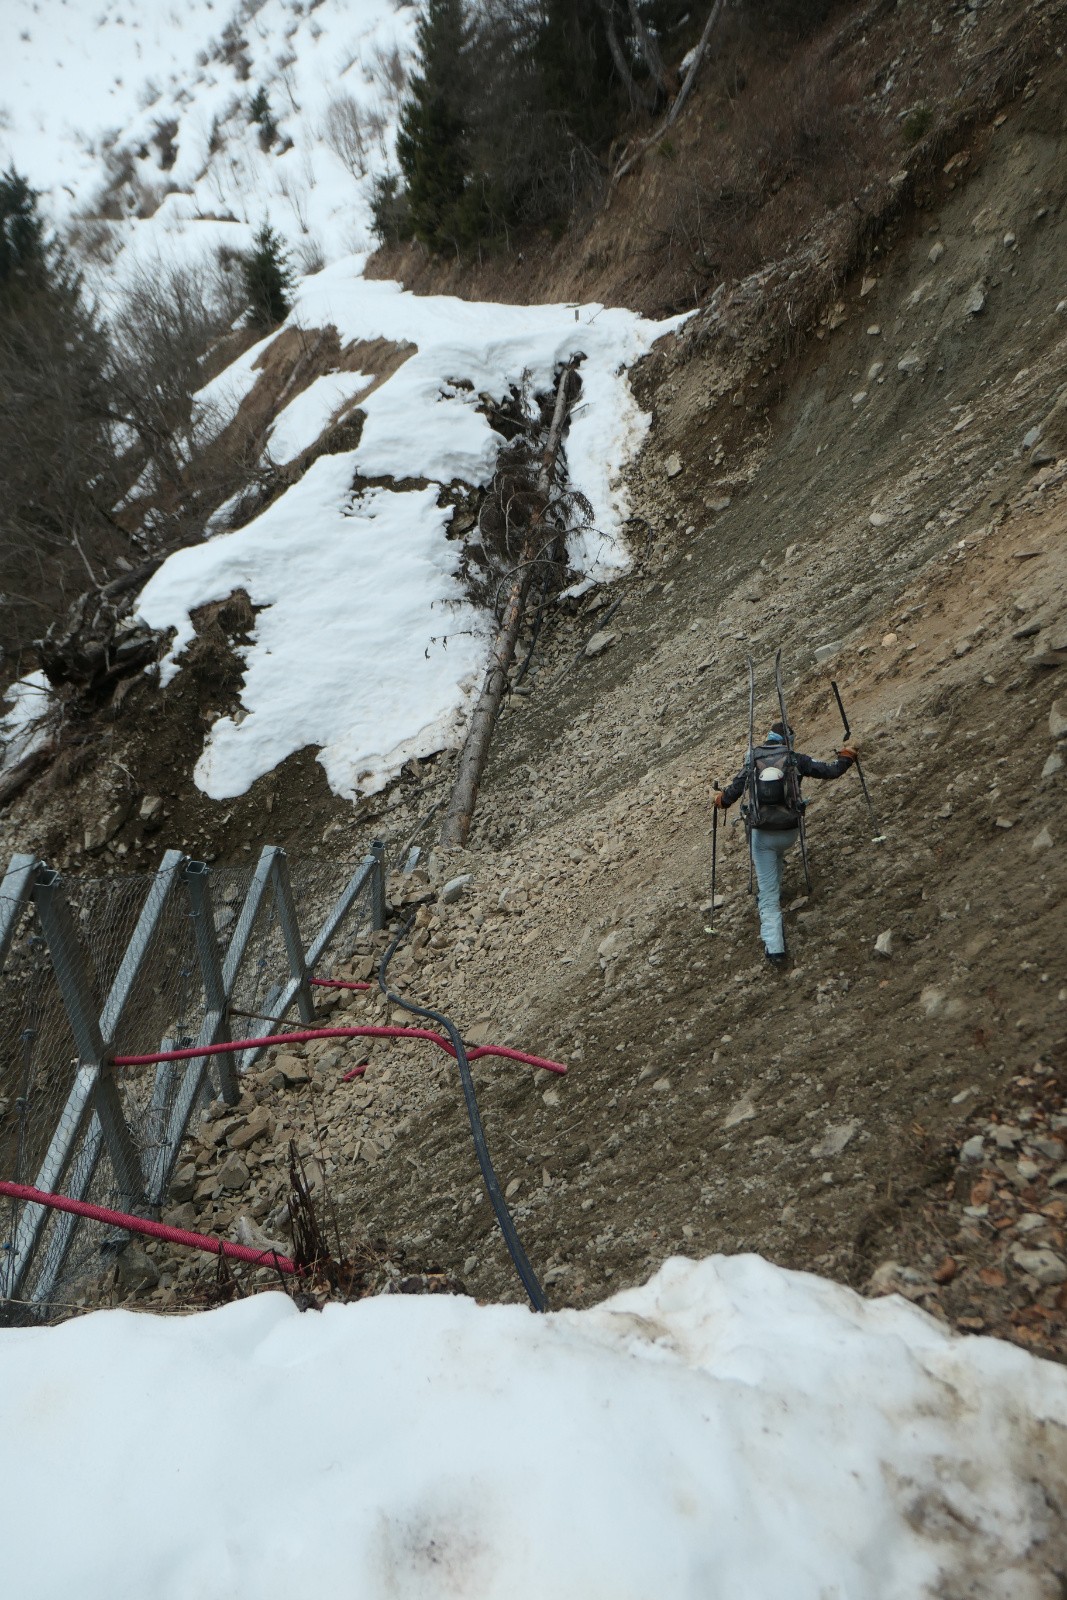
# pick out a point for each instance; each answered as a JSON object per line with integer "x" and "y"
{"x": 538, "y": 1298}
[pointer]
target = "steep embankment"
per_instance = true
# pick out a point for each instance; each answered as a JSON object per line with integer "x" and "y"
{"x": 860, "y": 1110}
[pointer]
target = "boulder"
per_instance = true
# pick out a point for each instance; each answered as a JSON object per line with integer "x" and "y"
{"x": 453, "y": 889}
{"x": 601, "y": 641}
{"x": 233, "y": 1174}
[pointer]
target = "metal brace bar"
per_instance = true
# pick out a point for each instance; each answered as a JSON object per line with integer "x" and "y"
{"x": 69, "y": 967}
{"x": 65, "y": 1226}
{"x": 184, "y": 1101}
{"x": 197, "y": 876}
{"x": 161, "y": 1084}
{"x": 245, "y": 922}
{"x": 137, "y": 949}
{"x": 214, "y": 1020}
{"x": 93, "y": 1088}
{"x": 346, "y": 900}
{"x": 68, "y": 963}
{"x": 50, "y": 1174}
{"x": 14, "y": 892}
{"x": 294, "y": 945}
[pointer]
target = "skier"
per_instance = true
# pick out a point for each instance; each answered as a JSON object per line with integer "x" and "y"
{"x": 773, "y": 815}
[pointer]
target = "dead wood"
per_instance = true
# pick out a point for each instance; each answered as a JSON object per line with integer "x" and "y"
{"x": 98, "y": 642}
{"x": 460, "y": 813}
{"x": 680, "y": 99}
{"x": 17, "y": 777}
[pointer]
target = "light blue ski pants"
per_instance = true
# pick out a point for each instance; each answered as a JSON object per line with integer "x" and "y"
{"x": 768, "y": 853}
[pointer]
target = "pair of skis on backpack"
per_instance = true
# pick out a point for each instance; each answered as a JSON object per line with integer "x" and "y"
{"x": 774, "y": 801}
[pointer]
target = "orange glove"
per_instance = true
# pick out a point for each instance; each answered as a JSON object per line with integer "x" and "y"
{"x": 847, "y": 753}
{"x": 717, "y": 800}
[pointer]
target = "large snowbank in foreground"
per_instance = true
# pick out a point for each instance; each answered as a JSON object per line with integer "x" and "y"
{"x": 729, "y": 1432}
{"x": 366, "y": 647}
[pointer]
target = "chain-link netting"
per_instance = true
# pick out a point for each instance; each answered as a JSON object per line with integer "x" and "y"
{"x": 120, "y": 955}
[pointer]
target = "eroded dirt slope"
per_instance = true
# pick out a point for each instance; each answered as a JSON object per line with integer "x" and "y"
{"x": 893, "y": 1121}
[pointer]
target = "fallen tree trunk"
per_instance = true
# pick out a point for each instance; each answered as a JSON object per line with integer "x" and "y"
{"x": 15, "y": 779}
{"x": 682, "y": 96}
{"x": 457, "y": 821}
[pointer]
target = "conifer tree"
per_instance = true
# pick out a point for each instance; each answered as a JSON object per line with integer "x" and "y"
{"x": 23, "y": 252}
{"x": 268, "y": 279}
{"x": 433, "y": 139}
{"x": 56, "y": 449}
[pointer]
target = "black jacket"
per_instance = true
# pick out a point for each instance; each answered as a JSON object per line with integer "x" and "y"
{"x": 807, "y": 767}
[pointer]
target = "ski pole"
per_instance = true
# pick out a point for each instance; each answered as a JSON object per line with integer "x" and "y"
{"x": 714, "y": 847}
{"x": 859, "y": 768}
{"x": 751, "y": 779}
{"x": 794, "y": 781}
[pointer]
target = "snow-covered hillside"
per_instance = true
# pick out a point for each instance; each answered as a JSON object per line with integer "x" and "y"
{"x": 149, "y": 103}
{"x": 729, "y": 1430}
{"x": 193, "y": 128}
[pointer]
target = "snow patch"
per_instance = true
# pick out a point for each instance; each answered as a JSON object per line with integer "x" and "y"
{"x": 357, "y": 651}
{"x": 730, "y": 1429}
{"x": 311, "y": 413}
{"x": 365, "y": 646}
{"x": 23, "y": 729}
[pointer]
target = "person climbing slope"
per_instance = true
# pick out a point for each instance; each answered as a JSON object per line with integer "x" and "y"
{"x": 772, "y": 775}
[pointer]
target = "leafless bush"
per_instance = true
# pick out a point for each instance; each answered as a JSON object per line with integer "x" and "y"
{"x": 164, "y": 137}
{"x": 345, "y": 133}
{"x": 168, "y": 320}
{"x": 390, "y": 73}
{"x": 146, "y": 198}
{"x": 310, "y": 257}
{"x": 789, "y": 151}
{"x": 93, "y": 239}
{"x": 232, "y": 49}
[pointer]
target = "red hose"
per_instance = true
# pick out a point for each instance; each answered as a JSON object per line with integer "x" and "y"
{"x": 472, "y": 1055}
{"x": 338, "y": 983}
{"x": 193, "y": 1052}
{"x": 155, "y": 1230}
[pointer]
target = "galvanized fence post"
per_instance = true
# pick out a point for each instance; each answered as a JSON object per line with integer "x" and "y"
{"x": 15, "y": 890}
{"x": 69, "y": 966}
{"x": 197, "y": 876}
{"x": 294, "y": 945}
{"x": 84, "y": 1163}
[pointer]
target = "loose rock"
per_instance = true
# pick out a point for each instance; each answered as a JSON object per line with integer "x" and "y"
{"x": 453, "y": 889}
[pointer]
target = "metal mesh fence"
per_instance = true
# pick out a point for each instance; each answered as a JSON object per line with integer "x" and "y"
{"x": 98, "y": 968}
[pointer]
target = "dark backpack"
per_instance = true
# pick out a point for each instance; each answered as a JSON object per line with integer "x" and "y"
{"x": 774, "y": 801}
